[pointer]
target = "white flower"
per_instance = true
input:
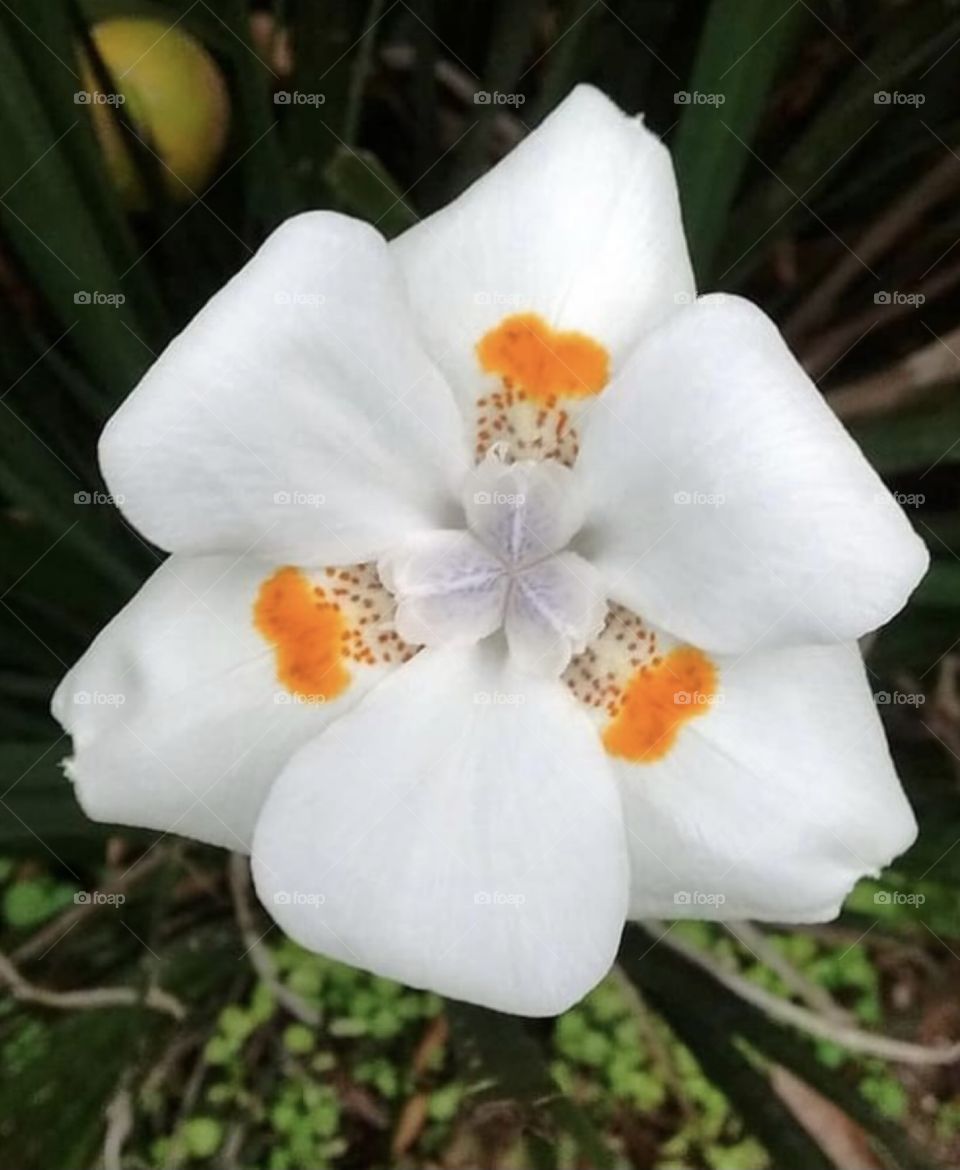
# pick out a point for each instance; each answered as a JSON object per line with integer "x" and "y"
{"x": 518, "y": 414}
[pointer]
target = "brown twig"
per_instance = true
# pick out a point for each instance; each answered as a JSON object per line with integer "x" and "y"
{"x": 943, "y": 723}
{"x": 832, "y": 933}
{"x": 508, "y": 129}
{"x": 260, "y": 959}
{"x": 41, "y": 941}
{"x": 796, "y": 982}
{"x": 175, "y": 1051}
{"x": 853, "y": 1039}
{"x": 938, "y": 183}
{"x": 119, "y": 1118}
{"x": 929, "y": 366}
{"x": 825, "y": 350}
{"x": 92, "y": 998}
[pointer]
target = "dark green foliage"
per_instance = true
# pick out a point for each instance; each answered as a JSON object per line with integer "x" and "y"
{"x": 779, "y": 181}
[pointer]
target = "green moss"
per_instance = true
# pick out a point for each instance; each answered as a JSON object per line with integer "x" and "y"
{"x": 200, "y": 1137}
{"x": 32, "y": 901}
{"x": 299, "y": 1039}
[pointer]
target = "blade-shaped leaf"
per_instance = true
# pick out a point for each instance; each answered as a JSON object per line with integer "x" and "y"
{"x": 742, "y": 44}
{"x": 498, "y": 1049}
{"x": 679, "y": 986}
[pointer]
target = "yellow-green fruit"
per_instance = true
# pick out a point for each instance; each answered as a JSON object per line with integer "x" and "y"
{"x": 175, "y": 98}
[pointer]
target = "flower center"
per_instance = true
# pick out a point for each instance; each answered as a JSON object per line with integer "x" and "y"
{"x": 510, "y": 567}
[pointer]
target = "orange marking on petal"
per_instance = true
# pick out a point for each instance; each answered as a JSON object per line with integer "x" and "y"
{"x": 657, "y": 701}
{"x": 307, "y": 632}
{"x": 524, "y": 351}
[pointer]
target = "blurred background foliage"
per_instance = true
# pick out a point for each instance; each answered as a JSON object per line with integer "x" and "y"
{"x": 160, "y": 1022}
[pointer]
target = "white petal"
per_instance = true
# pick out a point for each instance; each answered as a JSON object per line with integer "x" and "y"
{"x": 295, "y": 415}
{"x": 727, "y": 503}
{"x": 554, "y": 610}
{"x": 178, "y": 720}
{"x": 579, "y": 224}
{"x": 449, "y": 590}
{"x": 455, "y": 833}
{"x": 524, "y": 510}
{"x": 772, "y": 803}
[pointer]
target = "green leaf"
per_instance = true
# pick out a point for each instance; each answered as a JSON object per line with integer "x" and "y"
{"x": 52, "y": 491}
{"x": 679, "y": 986}
{"x": 512, "y": 42}
{"x": 31, "y": 901}
{"x": 565, "y": 59}
{"x": 34, "y": 564}
{"x": 940, "y": 588}
{"x": 914, "y": 440}
{"x": 746, "y": 1087}
{"x": 267, "y": 187}
{"x": 38, "y": 808}
{"x": 58, "y": 210}
{"x": 362, "y": 186}
{"x": 322, "y": 35}
{"x": 834, "y": 131}
{"x": 741, "y": 47}
{"x": 52, "y": 1114}
{"x": 201, "y": 1136}
{"x": 916, "y": 639}
{"x": 497, "y": 1051}
{"x": 361, "y": 69}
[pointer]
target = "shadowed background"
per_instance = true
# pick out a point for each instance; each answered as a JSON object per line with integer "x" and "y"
{"x": 149, "y": 1014}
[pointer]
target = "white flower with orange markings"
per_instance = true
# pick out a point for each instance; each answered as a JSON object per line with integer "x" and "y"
{"x": 504, "y": 563}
